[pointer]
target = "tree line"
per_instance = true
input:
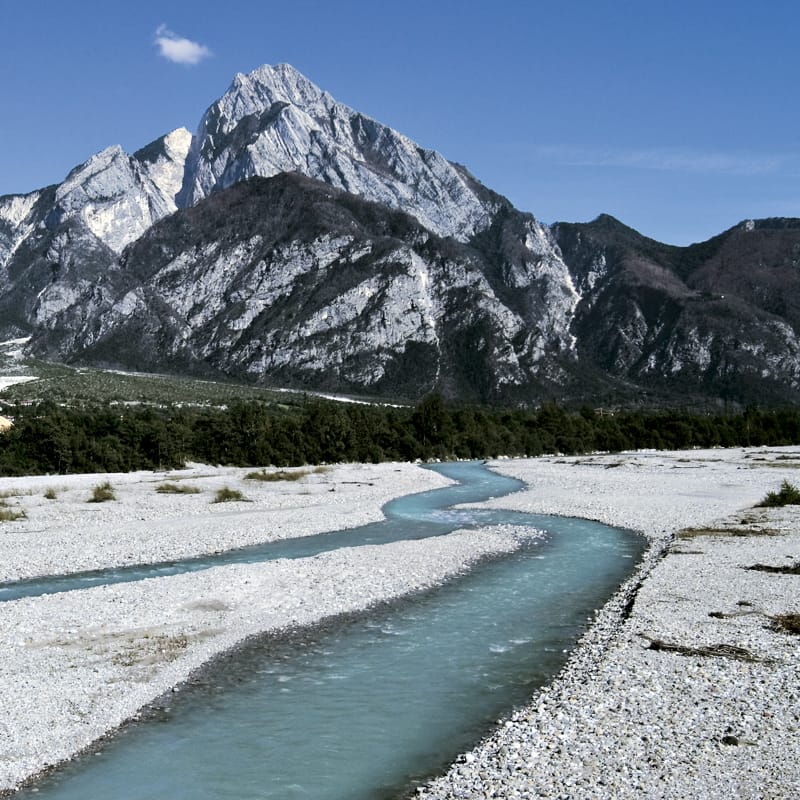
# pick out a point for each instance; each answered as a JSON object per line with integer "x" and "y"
{"x": 48, "y": 438}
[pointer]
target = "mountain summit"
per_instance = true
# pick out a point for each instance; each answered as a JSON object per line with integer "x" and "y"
{"x": 275, "y": 120}
{"x": 292, "y": 240}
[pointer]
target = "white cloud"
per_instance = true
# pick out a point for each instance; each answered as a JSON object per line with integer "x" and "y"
{"x": 178, "y": 49}
{"x": 668, "y": 159}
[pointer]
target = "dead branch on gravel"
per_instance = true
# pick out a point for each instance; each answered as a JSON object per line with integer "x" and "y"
{"x": 711, "y": 651}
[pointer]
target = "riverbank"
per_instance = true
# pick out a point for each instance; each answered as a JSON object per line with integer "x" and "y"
{"x": 62, "y": 532}
{"x": 685, "y": 685}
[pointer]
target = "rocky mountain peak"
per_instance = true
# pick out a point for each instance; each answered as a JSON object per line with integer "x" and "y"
{"x": 267, "y": 85}
{"x": 164, "y": 163}
{"x": 117, "y": 197}
{"x": 276, "y": 120}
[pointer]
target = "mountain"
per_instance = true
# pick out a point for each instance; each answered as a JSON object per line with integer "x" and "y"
{"x": 58, "y": 242}
{"x": 275, "y": 120}
{"x": 289, "y": 278}
{"x": 294, "y": 241}
{"x": 718, "y": 319}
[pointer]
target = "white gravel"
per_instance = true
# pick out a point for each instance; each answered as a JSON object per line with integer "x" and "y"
{"x": 626, "y": 721}
{"x": 69, "y": 534}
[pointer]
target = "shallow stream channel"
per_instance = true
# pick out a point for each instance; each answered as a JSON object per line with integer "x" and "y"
{"x": 364, "y": 707}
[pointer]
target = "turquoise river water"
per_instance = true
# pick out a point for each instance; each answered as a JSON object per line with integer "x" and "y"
{"x": 365, "y": 708}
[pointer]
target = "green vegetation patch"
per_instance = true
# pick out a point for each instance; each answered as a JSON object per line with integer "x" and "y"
{"x": 176, "y": 488}
{"x": 152, "y": 427}
{"x": 102, "y": 493}
{"x": 228, "y": 495}
{"x": 788, "y": 495}
{"x": 60, "y": 383}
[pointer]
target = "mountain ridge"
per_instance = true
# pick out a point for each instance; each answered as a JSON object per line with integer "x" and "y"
{"x": 468, "y": 296}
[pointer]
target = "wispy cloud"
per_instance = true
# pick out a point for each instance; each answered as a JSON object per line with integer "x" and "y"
{"x": 178, "y": 49}
{"x": 665, "y": 159}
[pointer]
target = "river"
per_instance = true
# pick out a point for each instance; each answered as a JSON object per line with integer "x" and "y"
{"x": 367, "y": 707}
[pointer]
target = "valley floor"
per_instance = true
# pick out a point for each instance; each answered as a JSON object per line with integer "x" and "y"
{"x": 719, "y": 719}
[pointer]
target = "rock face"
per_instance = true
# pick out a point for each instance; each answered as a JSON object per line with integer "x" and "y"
{"x": 292, "y": 240}
{"x": 58, "y": 243}
{"x": 718, "y": 319}
{"x": 291, "y": 280}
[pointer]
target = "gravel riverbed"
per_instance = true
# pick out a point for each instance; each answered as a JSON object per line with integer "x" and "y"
{"x": 67, "y": 533}
{"x": 683, "y": 687}
{"x": 658, "y": 700}
{"x": 78, "y": 664}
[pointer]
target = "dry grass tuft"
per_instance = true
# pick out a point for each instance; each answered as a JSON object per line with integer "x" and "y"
{"x": 692, "y": 533}
{"x": 15, "y": 493}
{"x": 279, "y": 475}
{"x": 786, "y": 623}
{"x": 102, "y": 493}
{"x": 790, "y": 569}
{"x": 176, "y": 488}
{"x": 284, "y": 474}
{"x": 711, "y": 651}
{"x": 228, "y": 495}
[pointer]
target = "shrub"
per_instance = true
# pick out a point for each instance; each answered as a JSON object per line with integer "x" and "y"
{"x": 11, "y": 514}
{"x": 101, "y": 493}
{"x": 788, "y": 495}
{"x": 227, "y": 495}
{"x": 176, "y": 488}
{"x": 50, "y": 494}
{"x": 786, "y": 623}
{"x": 280, "y": 475}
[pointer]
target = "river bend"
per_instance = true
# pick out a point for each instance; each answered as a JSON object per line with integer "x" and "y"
{"x": 366, "y": 707}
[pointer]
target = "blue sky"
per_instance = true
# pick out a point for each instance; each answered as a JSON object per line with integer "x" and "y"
{"x": 680, "y": 118}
